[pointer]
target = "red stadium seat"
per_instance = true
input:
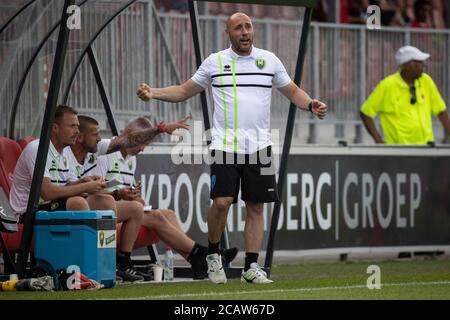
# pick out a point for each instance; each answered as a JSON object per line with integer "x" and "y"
{"x": 24, "y": 141}
{"x": 9, "y": 154}
{"x": 5, "y": 182}
{"x": 13, "y": 240}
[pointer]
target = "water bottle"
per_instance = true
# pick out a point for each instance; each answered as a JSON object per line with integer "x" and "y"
{"x": 168, "y": 265}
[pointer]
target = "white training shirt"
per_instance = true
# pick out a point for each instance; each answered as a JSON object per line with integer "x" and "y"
{"x": 90, "y": 160}
{"x": 115, "y": 166}
{"x": 56, "y": 168}
{"x": 242, "y": 93}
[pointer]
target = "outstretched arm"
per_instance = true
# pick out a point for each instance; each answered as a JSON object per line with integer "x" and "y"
{"x": 135, "y": 138}
{"x": 302, "y": 100}
{"x": 132, "y": 139}
{"x": 177, "y": 93}
{"x": 371, "y": 128}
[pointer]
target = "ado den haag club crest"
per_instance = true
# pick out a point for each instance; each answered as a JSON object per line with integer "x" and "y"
{"x": 260, "y": 63}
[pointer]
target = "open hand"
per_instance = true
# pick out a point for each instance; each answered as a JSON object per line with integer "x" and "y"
{"x": 180, "y": 124}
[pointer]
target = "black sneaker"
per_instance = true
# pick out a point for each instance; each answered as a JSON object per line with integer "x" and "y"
{"x": 199, "y": 267}
{"x": 129, "y": 274}
{"x": 146, "y": 276}
{"x": 228, "y": 255}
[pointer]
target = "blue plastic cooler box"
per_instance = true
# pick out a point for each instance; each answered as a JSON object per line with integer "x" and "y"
{"x": 86, "y": 239}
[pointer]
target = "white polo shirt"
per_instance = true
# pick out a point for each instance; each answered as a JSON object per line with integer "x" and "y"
{"x": 115, "y": 166}
{"x": 90, "y": 160}
{"x": 56, "y": 169}
{"x": 242, "y": 94}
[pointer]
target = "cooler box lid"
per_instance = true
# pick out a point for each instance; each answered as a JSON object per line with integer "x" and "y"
{"x": 101, "y": 219}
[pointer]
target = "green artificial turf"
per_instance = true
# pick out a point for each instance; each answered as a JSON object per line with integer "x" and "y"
{"x": 418, "y": 279}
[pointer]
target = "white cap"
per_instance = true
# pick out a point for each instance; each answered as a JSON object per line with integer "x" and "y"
{"x": 409, "y": 53}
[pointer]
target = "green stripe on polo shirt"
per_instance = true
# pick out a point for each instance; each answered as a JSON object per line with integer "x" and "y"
{"x": 233, "y": 66}
{"x": 55, "y": 158}
{"x": 78, "y": 168}
{"x": 224, "y": 104}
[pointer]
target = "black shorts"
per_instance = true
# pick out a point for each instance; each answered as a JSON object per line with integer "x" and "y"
{"x": 252, "y": 173}
{"x": 54, "y": 205}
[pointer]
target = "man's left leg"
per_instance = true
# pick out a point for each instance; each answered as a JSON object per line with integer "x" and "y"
{"x": 254, "y": 228}
{"x": 258, "y": 187}
{"x": 253, "y": 235}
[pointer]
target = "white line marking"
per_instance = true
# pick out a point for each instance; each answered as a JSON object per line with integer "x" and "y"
{"x": 218, "y": 294}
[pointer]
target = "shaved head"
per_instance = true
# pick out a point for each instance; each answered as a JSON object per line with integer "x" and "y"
{"x": 240, "y": 31}
{"x": 235, "y": 16}
{"x": 140, "y": 123}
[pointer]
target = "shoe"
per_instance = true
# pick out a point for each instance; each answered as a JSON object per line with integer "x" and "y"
{"x": 228, "y": 255}
{"x": 255, "y": 275}
{"x": 129, "y": 274}
{"x": 146, "y": 276}
{"x": 215, "y": 270}
{"x": 42, "y": 284}
{"x": 199, "y": 267}
{"x": 36, "y": 284}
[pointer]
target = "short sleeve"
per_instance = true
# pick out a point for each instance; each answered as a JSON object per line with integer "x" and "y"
{"x": 437, "y": 103}
{"x": 48, "y": 165}
{"x": 203, "y": 75}
{"x": 374, "y": 103}
{"x": 29, "y": 155}
{"x": 281, "y": 77}
{"x": 102, "y": 147}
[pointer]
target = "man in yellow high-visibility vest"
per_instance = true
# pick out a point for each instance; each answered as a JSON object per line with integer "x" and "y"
{"x": 405, "y": 102}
